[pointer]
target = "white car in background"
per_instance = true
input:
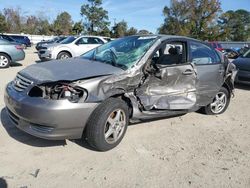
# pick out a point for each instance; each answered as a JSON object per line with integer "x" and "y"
{"x": 70, "y": 47}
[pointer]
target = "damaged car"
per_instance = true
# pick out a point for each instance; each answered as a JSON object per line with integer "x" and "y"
{"x": 95, "y": 96}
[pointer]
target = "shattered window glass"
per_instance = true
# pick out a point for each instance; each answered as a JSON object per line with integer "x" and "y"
{"x": 123, "y": 53}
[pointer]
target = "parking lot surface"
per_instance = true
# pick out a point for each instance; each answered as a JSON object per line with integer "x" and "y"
{"x": 193, "y": 150}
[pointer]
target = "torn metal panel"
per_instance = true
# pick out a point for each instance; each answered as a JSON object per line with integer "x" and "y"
{"x": 170, "y": 88}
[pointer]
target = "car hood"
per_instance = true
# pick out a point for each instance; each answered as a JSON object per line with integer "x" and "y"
{"x": 45, "y": 42}
{"x": 242, "y": 63}
{"x": 50, "y": 45}
{"x": 68, "y": 70}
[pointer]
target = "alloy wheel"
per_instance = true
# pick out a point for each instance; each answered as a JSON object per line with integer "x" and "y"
{"x": 64, "y": 56}
{"x": 219, "y": 103}
{"x": 115, "y": 126}
{"x": 3, "y": 61}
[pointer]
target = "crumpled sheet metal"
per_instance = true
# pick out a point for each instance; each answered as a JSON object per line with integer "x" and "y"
{"x": 172, "y": 91}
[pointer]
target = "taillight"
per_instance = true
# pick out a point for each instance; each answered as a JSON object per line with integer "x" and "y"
{"x": 19, "y": 47}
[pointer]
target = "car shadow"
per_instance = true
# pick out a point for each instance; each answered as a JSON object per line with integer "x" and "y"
{"x": 15, "y": 64}
{"x": 242, "y": 86}
{"x": 155, "y": 119}
{"x": 23, "y": 137}
{"x": 84, "y": 144}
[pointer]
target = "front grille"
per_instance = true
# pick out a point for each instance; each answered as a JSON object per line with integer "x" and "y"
{"x": 43, "y": 48}
{"x": 41, "y": 52}
{"x": 21, "y": 83}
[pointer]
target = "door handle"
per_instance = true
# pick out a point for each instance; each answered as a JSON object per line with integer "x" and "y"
{"x": 187, "y": 72}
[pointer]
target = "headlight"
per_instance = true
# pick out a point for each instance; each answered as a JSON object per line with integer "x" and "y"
{"x": 59, "y": 91}
{"x": 51, "y": 48}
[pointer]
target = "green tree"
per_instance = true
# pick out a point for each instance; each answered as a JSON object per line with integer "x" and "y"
{"x": 235, "y": 25}
{"x": 95, "y": 15}
{"x": 3, "y": 24}
{"x": 44, "y": 27}
{"x": 105, "y": 32}
{"x": 144, "y": 32}
{"x": 120, "y": 29}
{"x": 131, "y": 31}
{"x": 31, "y": 25}
{"x": 63, "y": 24}
{"x": 14, "y": 19}
{"x": 195, "y": 18}
{"x": 77, "y": 28}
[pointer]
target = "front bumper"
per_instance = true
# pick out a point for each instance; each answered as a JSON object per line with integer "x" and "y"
{"x": 243, "y": 77}
{"x": 45, "y": 54}
{"x": 48, "y": 119}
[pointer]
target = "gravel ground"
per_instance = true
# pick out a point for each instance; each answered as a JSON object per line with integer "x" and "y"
{"x": 193, "y": 150}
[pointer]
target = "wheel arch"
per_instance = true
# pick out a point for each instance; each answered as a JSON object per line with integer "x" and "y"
{"x": 122, "y": 95}
{"x": 228, "y": 85}
{"x": 6, "y": 55}
{"x": 67, "y": 51}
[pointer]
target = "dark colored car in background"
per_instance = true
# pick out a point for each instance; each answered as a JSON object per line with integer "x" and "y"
{"x": 230, "y": 53}
{"x": 7, "y": 37}
{"x": 216, "y": 45}
{"x": 39, "y": 45}
{"x": 242, "y": 63}
{"x": 22, "y": 40}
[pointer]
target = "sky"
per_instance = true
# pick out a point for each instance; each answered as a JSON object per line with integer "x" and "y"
{"x": 141, "y": 14}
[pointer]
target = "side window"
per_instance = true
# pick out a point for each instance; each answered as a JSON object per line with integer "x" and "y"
{"x": 83, "y": 40}
{"x": 171, "y": 53}
{"x": 92, "y": 40}
{"x": 202, "y": 54}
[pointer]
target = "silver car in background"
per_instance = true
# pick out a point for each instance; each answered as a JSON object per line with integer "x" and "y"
{"x": 70, "y": 47}
{"x": 10, "y": 52}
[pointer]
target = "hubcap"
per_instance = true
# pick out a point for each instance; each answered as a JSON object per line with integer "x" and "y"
{"x": 3, "y": 61}
{"x": 115, "y": 126}
{"x": 64, "y": 56}
{"x": 219, "y": 103}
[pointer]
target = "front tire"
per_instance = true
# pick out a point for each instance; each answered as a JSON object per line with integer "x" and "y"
{"x": 107, "y": 124}
{"x": 64, "y": 55}
{"x": 220, "y": 103}
{"x": 4, "y": 61}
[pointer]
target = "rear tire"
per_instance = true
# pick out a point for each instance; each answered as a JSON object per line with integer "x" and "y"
{"x": 64, "y": 55}
{"x": 107, "y": 124}
{"x": 220, "y": 103}
{"x": 4, "y": 61}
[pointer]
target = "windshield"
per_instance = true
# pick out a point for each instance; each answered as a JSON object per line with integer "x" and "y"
{"x": 123, "y": 53}
{"x": 68, "y": 40}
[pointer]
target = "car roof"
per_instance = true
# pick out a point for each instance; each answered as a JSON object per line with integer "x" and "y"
{"x": 165, "y": 37}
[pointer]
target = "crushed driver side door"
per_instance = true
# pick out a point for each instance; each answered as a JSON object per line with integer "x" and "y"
{"x": 170, "y": 87}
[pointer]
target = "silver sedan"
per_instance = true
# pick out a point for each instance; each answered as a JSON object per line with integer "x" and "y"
{"x": 10, "y": 52}
{"x": 95, "y": 96}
